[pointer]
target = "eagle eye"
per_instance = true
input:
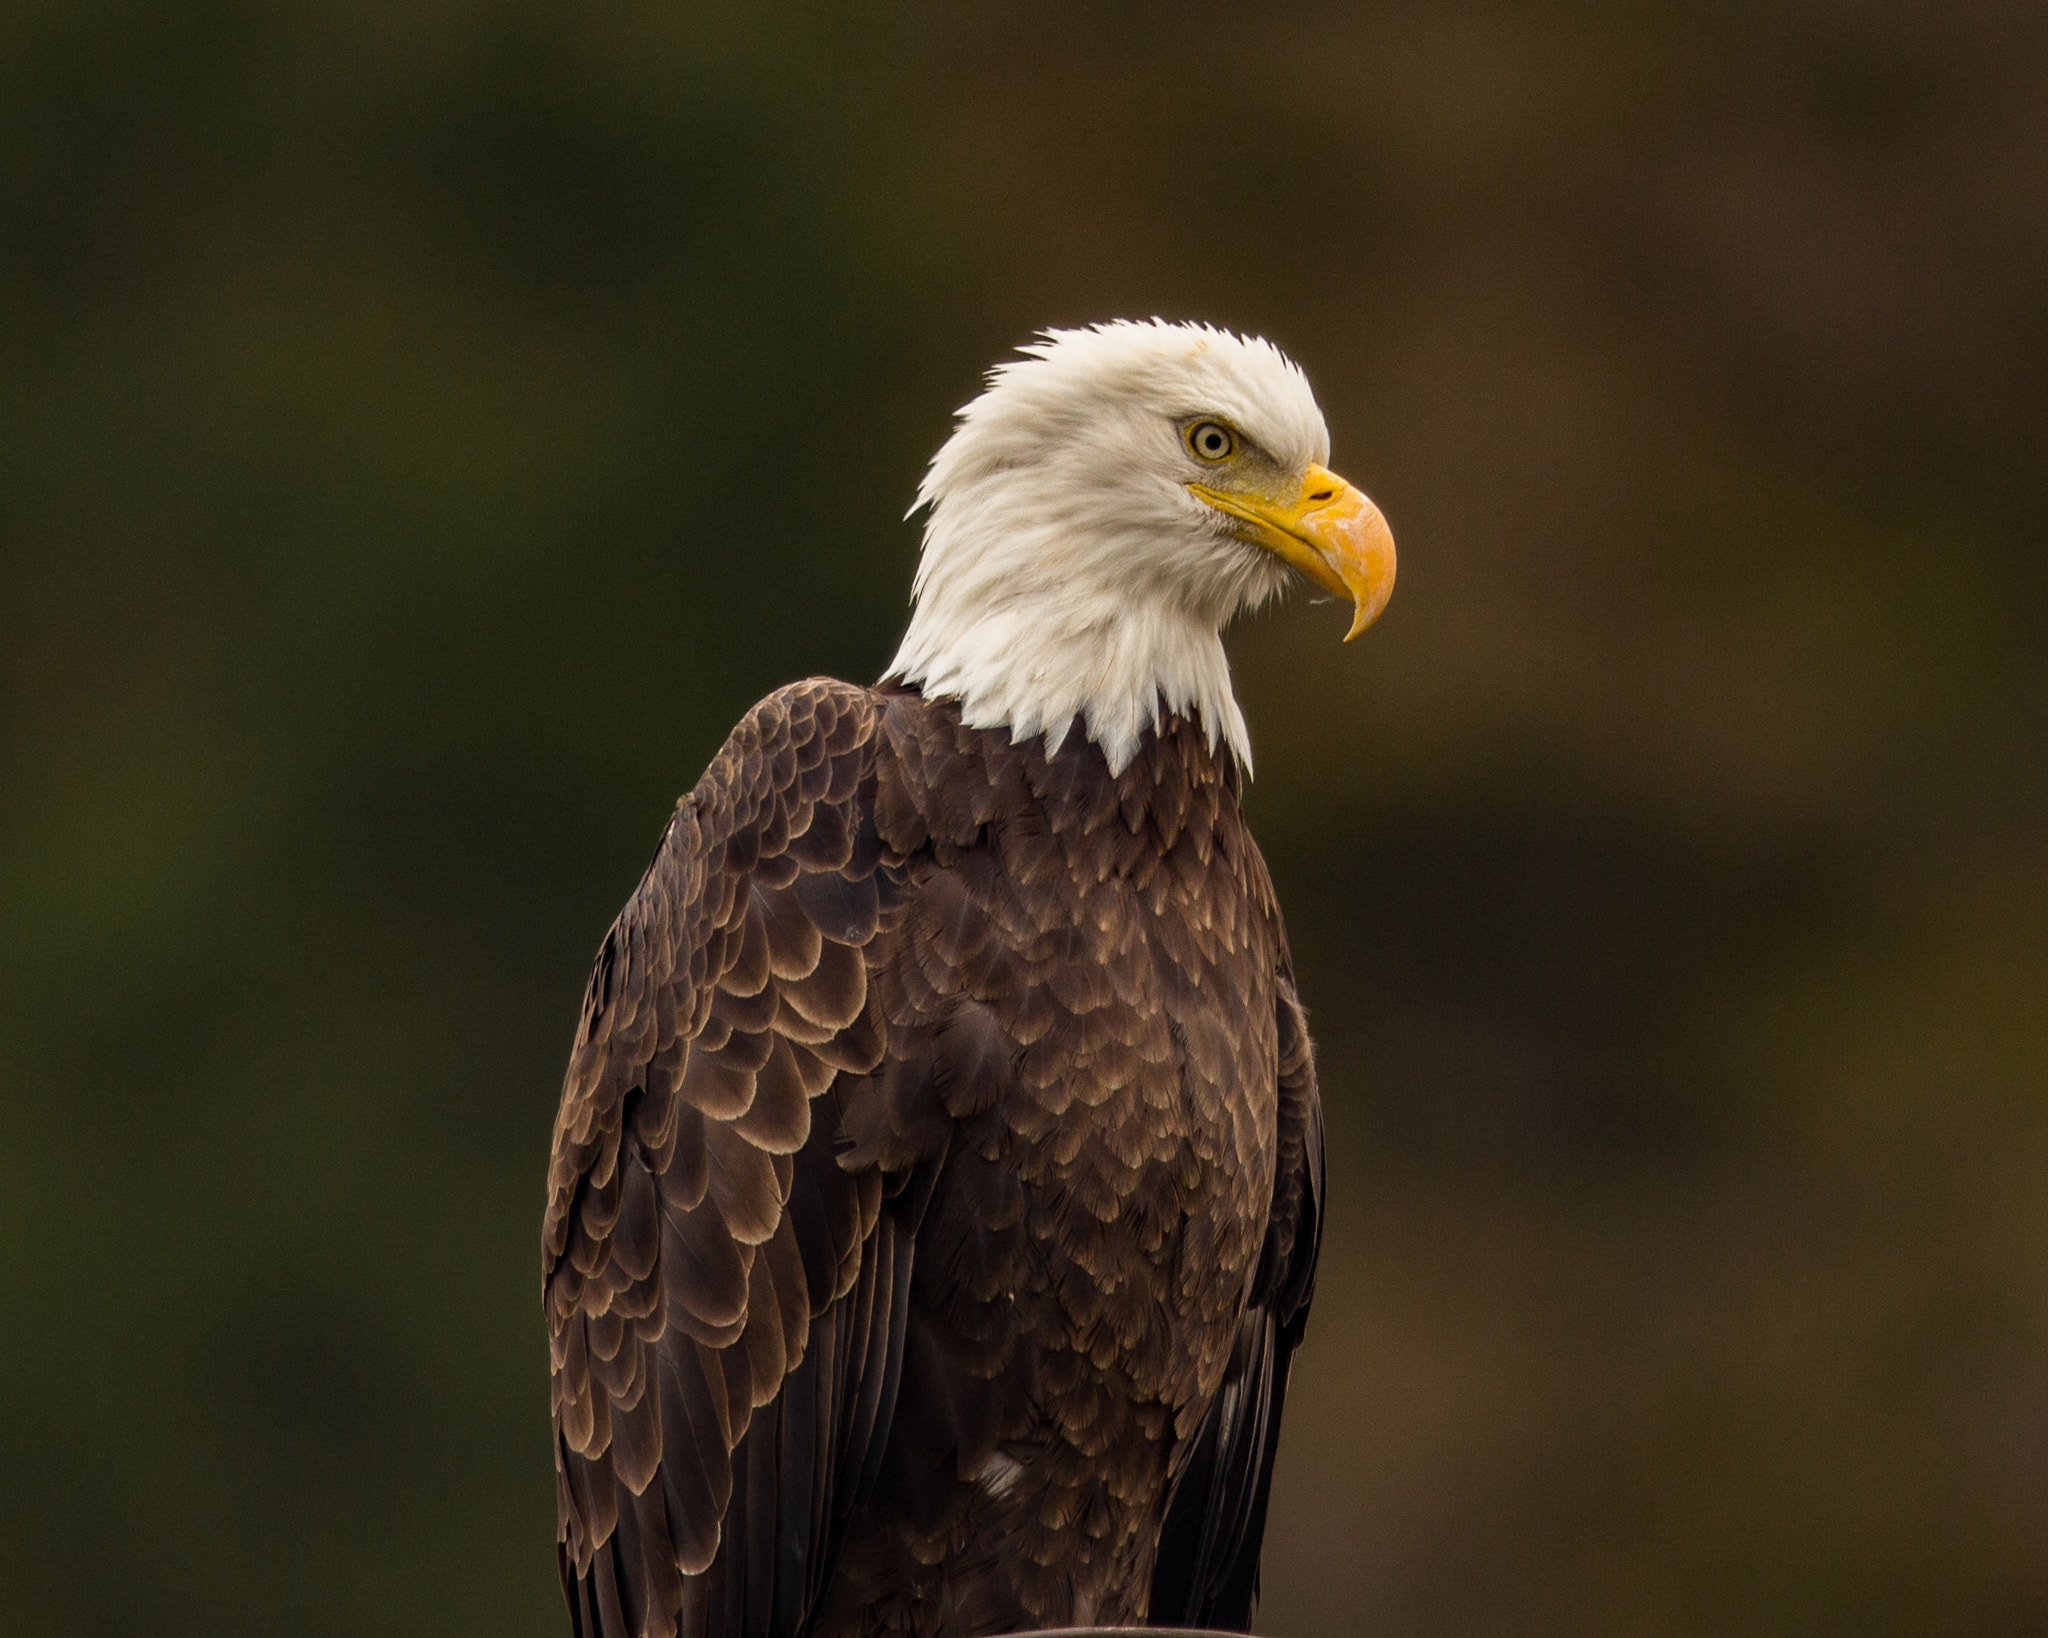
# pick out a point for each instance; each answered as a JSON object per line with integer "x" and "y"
{"x": 1211, "y": 441}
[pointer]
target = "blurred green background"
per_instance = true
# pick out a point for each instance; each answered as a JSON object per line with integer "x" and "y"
{"x": 430, "y": 423}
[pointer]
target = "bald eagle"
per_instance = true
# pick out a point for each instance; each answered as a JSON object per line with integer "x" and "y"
{"x": 938, "y": 1175}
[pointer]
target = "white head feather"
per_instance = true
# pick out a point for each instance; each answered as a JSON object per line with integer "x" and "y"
{"x": 1067, "y": 571}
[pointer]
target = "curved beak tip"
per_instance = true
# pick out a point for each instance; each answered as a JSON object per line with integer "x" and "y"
{"x": 1359, "y": 549}
{"x": 1368, "y": 606}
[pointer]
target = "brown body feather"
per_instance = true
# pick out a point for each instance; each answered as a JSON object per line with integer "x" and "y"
{"x": 935, "y": 1192}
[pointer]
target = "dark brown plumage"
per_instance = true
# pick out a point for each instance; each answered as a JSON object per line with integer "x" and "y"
{"x": 935, "y": 1192}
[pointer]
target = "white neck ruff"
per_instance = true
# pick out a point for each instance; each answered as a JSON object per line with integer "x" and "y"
{"x": 1033, "y": 669}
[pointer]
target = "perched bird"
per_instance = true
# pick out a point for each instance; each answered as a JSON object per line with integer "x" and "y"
{"x": 938, "y": 1175}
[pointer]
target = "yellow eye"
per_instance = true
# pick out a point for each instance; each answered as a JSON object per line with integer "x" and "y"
{"x": 1211, "y": 441}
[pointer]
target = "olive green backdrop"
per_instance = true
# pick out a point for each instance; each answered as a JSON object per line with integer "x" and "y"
{"x": 428, "y": 424}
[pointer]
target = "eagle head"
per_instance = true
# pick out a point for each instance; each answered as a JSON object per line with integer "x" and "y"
{"x": 1106, "y": 506}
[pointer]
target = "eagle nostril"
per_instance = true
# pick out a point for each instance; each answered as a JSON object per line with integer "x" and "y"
{"x": 1322, "y": 494}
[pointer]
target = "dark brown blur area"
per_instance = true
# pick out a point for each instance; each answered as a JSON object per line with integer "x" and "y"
{"x": 428, "y": 426}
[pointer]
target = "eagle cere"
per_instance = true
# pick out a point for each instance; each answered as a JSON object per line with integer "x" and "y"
{"x": 938, "y": 1175}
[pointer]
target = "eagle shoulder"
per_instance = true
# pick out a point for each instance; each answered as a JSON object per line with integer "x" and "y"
{"x": 698, "y": 1249}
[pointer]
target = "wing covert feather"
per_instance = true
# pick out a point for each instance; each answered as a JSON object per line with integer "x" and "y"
{"x": 1207, "y": 1571}
{"x": 725, "y": 1303}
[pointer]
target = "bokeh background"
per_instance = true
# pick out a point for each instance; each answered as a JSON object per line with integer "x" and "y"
{"x": 428, "y": 424}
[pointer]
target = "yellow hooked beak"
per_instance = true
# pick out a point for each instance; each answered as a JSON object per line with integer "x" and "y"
{"x": 1329, "y": 531}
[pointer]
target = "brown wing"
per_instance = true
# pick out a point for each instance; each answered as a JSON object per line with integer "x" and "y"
{"x": 726, "y": 1305}
{"x": 1207, "y": 1571}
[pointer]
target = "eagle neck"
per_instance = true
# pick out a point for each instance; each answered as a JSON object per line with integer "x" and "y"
{"x": 1118, "y": 673}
